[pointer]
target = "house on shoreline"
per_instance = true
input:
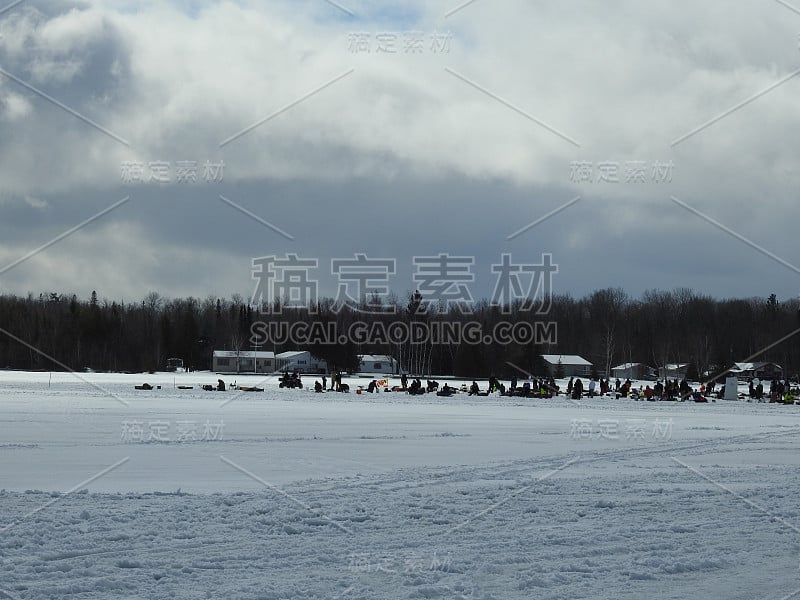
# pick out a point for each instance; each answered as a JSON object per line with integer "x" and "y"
{"x": 634, "y": 371}
{"x": 572, "y": 365}
{"x": 378, "y": 364}
{"x": 763, "y": 370}
{"x": 234, "y": 362}
{"x": 673, "y": 371}
{"x": 301, "y": 361}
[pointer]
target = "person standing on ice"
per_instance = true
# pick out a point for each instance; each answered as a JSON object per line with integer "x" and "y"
{"x": 336, "y": 381}
{"x": 577, "y": 390}
{"x": 592, "y": 386}
{"x": 570, "y": 385}
{"x": 684, "y": 389}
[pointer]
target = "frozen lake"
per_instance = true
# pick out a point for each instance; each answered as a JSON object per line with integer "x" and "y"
{"x": 113, "y": 492}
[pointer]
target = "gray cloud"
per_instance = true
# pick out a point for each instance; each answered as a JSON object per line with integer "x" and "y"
{"x": 400, "y": 157}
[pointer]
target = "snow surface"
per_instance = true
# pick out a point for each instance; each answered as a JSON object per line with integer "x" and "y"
{"x": 110, "y": 492}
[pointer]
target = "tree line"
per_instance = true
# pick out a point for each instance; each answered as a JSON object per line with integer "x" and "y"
{"x": 55, "y": 331}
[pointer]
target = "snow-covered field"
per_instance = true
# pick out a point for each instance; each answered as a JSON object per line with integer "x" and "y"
{"x": 109, "y": 492}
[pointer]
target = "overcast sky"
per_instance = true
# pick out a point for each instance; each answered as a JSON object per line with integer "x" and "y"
{"x": 662, "y": 139}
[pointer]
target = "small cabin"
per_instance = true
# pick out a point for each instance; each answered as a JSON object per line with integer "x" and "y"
{"x": 673, "y": 371}
{"x": 571, "y": 365}
{"x": 378, "y": 364}
{"x": 634, "y": 371}
{"x": 761, "y": 370}
{"x": 301, "y": 361}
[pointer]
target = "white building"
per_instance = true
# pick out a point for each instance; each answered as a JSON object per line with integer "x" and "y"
{"x": 381, "y": 364}
{"x": 762, "y": 370}
{"x": 571, "y": 364}
{"x": 633, "y": 371}
{"x": 243, "y": 361}
{"x": 673, "y": 371}
{"x": 301, "y": 361}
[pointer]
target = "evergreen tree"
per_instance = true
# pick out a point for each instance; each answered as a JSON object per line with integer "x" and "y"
{"x": 559, "y": 372}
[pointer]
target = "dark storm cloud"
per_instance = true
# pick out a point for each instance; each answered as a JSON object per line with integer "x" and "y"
{"x": 190, "y": 242}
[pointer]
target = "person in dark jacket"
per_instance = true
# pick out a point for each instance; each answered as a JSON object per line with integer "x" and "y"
{"x": 577, "y": 390}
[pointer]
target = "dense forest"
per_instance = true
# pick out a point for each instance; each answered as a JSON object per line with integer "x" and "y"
{"x": 57, "y": 332}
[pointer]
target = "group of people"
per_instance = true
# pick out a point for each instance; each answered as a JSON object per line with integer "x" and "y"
{"x": 667, "y": 390}
{"x": 672, "y": 390}
{"x": 779, "y": 391}
{"x": 575, "y": 389}
{"x": 336, "y": 384}
{"x": 544, "y": 387}
{"x": 416, "y": 387}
